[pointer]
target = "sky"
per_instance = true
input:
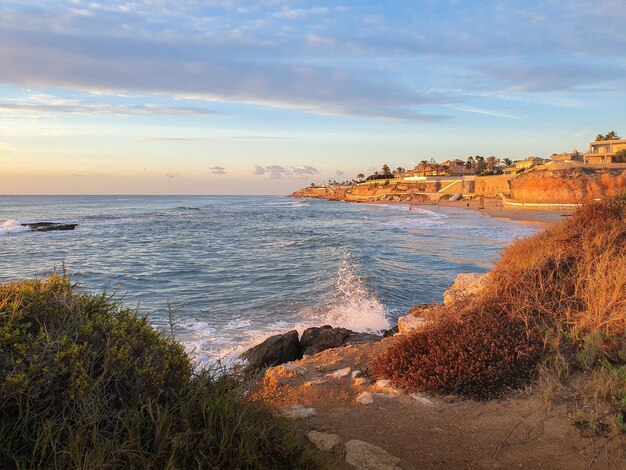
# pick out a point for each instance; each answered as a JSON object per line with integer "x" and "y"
{"x": 245, "y": 97}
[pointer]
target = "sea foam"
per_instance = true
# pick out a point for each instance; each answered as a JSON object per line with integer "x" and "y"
{"x": 12, "y": 226}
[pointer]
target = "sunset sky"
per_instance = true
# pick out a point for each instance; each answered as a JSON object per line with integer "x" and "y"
{"x": 242, "y": 97}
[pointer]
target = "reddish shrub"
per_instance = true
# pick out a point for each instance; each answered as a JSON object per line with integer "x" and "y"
{"x": 477, "y": 355}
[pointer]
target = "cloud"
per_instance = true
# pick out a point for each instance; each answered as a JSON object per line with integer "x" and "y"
{"x": 171, "y": 175}
{"x": 4, "y": 149}
{"x": 218, "y": 170}
{"x": 215, "y": 138}
{"x": 307, "y": 170}
{"x": 56, "y": 105}
{"x": 339, "y": 173}
{"x": 404, "y": 62}
{"x": 278, "y": 171}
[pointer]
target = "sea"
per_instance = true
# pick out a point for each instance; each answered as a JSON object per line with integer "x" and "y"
{"x": 232, "y": 270}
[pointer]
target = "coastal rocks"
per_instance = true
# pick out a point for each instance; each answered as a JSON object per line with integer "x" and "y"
{"x": 318, "y": 339}
{"x": 274, "y": 350}
{"x": 324, "y": 441}
{"x": 365, "y": 456}
{"x": 290, "y": 370}
{"x": 465, "y": 285}
{"x": 49, "y": 226}
{"x": 385, "y": 386}
{"x": 414, "y": 320}
{"x": 296, "y": 412}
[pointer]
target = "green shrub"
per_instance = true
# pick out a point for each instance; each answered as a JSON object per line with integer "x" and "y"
{"x": 85, "y": 383}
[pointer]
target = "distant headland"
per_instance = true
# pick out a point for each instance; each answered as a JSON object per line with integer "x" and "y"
{"x": 563, "y": 181}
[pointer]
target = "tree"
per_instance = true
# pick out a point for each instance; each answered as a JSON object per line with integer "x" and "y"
{"x": 386, "y": 170}
{"x": 611, "y": 135}
{"x": 423, "y": 164}
{"x": 399, "y": 169}
{"x": 360, "y": 176}
{"x": 480, "y": 164}
{"x": 507, "y": 161}
{"x": 470, "y": 164}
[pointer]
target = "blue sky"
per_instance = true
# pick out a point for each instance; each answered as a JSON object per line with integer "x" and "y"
{"x": 234, "y": 97}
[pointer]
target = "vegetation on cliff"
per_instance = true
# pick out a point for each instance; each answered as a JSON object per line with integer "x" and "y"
{"x": 555, "y": 309}
{"x": 85, "y": 383}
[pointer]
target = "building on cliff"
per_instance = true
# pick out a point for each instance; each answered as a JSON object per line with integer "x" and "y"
{"x": 525, "y": 164}
{"x": 567, "y": 157}
{"x": 604, "y": 151}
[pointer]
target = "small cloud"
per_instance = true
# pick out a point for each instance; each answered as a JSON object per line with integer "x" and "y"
{"x": 4, "y": 148}
{"x": 170, "y": 175}
{"x": 339, "y": 173}
{"x": 78, "y": 175}
{"x": 305, "y": 171}
{"x": 218, "y": 170}
{"x": 276, "y": 171}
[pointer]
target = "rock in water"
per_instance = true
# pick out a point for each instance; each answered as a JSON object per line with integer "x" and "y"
{"x": 49, "y": 226}
{"x": 274, "y": 350}
{"x": 365, "y": 456}
{"x": 319, "y": 339}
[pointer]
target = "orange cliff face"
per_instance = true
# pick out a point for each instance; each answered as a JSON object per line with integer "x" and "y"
{"x": 567, "y": 187}
{"x": 333, "y": 194}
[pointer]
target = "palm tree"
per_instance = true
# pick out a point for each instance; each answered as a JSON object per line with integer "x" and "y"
{"x": 360, "y": 176}
{"x": 612, "y": 135}
{"x": 386, "y": 170}
{"x": 399, "y": 169}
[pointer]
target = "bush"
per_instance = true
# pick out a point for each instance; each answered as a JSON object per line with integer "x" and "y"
{"x": 479, "y": 356}
{"x": 559, "y": 295}
{"x": 85, "y": 383}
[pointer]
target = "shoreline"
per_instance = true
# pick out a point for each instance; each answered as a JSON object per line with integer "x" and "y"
{"x": 493, "y": 208}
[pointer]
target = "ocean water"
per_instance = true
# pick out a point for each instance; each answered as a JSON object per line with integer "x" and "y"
{"x": 237, "y": 269}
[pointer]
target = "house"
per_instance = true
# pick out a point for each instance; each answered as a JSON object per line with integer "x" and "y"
{"x": 525, "y": 164}
{"x": 604, "y": 151}
{"x": 566, "y": 157}
{"x": 455, "y": 168}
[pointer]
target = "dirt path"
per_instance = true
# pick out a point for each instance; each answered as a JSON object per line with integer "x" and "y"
{"x": 426, "y": 432}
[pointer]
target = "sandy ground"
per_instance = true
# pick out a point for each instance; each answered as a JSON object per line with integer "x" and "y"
{"x": 520, "y": 432}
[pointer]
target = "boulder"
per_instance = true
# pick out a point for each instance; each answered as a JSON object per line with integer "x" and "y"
{"x": 274, "y": 350}
{"x": 320, "y": 338}
{"x": 465, "y": 285}
{"x": 365, "y": 456}
{"x": 393, "y": 331}
{"x": 296, "y": 412}
{"x": 415, "y": 319}
{"x": 339, "y": 374}
{"x": 365, "y": 398}
{"x": 324, "y": 441}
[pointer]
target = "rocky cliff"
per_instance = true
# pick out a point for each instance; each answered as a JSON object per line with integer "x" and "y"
{"x": 571, "y": 186}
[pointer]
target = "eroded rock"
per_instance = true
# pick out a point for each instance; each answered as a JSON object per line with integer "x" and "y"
{"x": 365, "y": 456}
{"x": 339, "y": 374}
{"x": 465, "y": 285}
{"x": 324, "y": 441}
{"x": 296, "y": 412}
{"x": 365, "y": 398}
{"x": 318, "y": 339}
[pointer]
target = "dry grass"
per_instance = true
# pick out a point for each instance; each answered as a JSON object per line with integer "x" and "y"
{"x": 567, "y": 286}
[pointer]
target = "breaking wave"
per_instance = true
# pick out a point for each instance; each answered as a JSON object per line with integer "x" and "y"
{"x": 12, "y": 226}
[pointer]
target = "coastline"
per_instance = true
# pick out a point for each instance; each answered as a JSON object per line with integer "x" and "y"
{"x": 493, "y": 208}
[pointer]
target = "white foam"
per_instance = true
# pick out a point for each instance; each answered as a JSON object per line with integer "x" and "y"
{"x": 12, "y": 226}
{"x": 352, "y": 307}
